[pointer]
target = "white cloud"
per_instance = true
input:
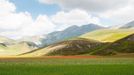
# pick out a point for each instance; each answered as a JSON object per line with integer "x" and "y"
{"x": 91, "y": 5}
{"x": 27, "y": 27}
{"x": 9, "y": 19}
{"x": 118, "y": 11}
{"x": 121, "y": 15}
{"x": 74, "y": 17}
{"x": 17, "y": 25}
{"x": 14, "y": 20}
{"x": 6, "y": 6}
{"x": 42, "y": 25}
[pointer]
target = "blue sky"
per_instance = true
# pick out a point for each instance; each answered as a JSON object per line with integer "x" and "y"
{"x": 35, "y": 7}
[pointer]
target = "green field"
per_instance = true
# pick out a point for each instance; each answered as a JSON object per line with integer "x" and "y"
{"x": 45, "y": 66}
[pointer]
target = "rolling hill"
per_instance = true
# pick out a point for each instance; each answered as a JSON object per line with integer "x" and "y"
{"x": 115, "y": 40}
{"x": 68, "y": 47}
{"x": 124, "y": 45}
{"x": 108, "y": 35}
{"x": 15, "y": 49}
{"x": 108, "y": 42}
{"x": 9, "y": 47}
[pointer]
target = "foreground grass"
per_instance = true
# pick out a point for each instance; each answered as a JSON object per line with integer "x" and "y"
{"x": 41, "y": 66}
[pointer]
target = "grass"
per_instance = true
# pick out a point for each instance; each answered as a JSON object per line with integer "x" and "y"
{"x": 67, "y": 70}
{"x": 44, "y": 66}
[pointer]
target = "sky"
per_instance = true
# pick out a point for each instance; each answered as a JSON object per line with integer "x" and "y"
{"x": 20, "y": 18}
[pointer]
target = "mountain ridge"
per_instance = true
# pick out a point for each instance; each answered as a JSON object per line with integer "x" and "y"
{"x": 68, "y": 33}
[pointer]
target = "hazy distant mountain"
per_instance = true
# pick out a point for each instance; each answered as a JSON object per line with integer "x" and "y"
{"x": 128, "y": 25}
{"x": 15, "y": 47}
{"x": 33, "y": 39}
{"x": 6, "y": 41}
{"x": 69, "y": 32}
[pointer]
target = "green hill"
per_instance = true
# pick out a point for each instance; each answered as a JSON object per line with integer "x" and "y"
{"x": 108, "y": 35}
{"x": 68, "y": 47}
{"x": 115, "y": 41}
{"x": 124, "y": 45}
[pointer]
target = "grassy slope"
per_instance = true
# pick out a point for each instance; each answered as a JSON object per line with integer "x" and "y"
{"x": 111, "y": 36}
{"x": 38, "y": 52}
{"x": 125, "y": 45}
{"x": 98, "y": 66}
{"x": 108, "y": 35}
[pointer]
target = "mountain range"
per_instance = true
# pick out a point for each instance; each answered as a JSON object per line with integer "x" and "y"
{"x": 89, "y": 39}
{"x": 68, "y": 33}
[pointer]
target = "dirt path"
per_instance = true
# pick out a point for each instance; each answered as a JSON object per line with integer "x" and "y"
{"x": 71, "y": 57}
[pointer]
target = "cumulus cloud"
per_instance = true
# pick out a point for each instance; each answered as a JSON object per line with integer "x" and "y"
{"x": 6, "y": 6}
{"x": 121, "y": 16}
{"x": 42, "y": 25}
{"x": 74, "y": 17}
{"x": 17, "y": 25}
{"x": 14, "y": 20}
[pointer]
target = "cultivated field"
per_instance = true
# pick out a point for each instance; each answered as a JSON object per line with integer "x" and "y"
{"x": 71, "y": 65}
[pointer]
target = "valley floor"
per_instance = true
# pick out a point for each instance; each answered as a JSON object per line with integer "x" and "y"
{"x": 67, "y": 66}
